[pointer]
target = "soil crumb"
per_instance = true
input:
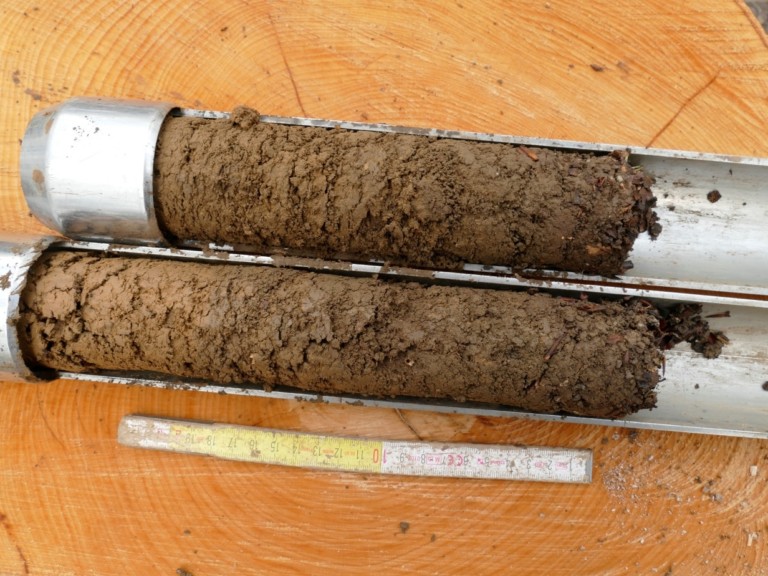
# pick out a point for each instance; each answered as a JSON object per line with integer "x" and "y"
{"x": 240, "y": 324}
{"x": 408, "y": 200}
{"x": 714, "y": 195}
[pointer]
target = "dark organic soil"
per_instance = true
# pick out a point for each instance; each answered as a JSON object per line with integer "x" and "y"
{"x": 684, "y": 324}
{"x": 408, "y": 200}
{"x": 333, "y": 334}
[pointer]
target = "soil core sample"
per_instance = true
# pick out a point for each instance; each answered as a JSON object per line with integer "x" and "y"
{"x": 323, "y": 333}
{"x": 408, "y": 200}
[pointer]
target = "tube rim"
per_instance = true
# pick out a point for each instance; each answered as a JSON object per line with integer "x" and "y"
{"x": 18, "y": 253}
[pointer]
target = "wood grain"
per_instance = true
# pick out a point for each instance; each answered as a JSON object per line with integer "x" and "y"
{"x": 670, "y": 74}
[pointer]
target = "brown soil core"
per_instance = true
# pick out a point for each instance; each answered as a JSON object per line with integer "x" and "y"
{"x": 409, "y": 200}
{"x": 335, "y": 334}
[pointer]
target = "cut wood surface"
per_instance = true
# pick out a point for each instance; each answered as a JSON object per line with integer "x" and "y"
{"x": 668, "y": 74}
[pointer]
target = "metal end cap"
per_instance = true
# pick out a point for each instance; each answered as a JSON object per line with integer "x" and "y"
{"x": 87, "y": 168}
